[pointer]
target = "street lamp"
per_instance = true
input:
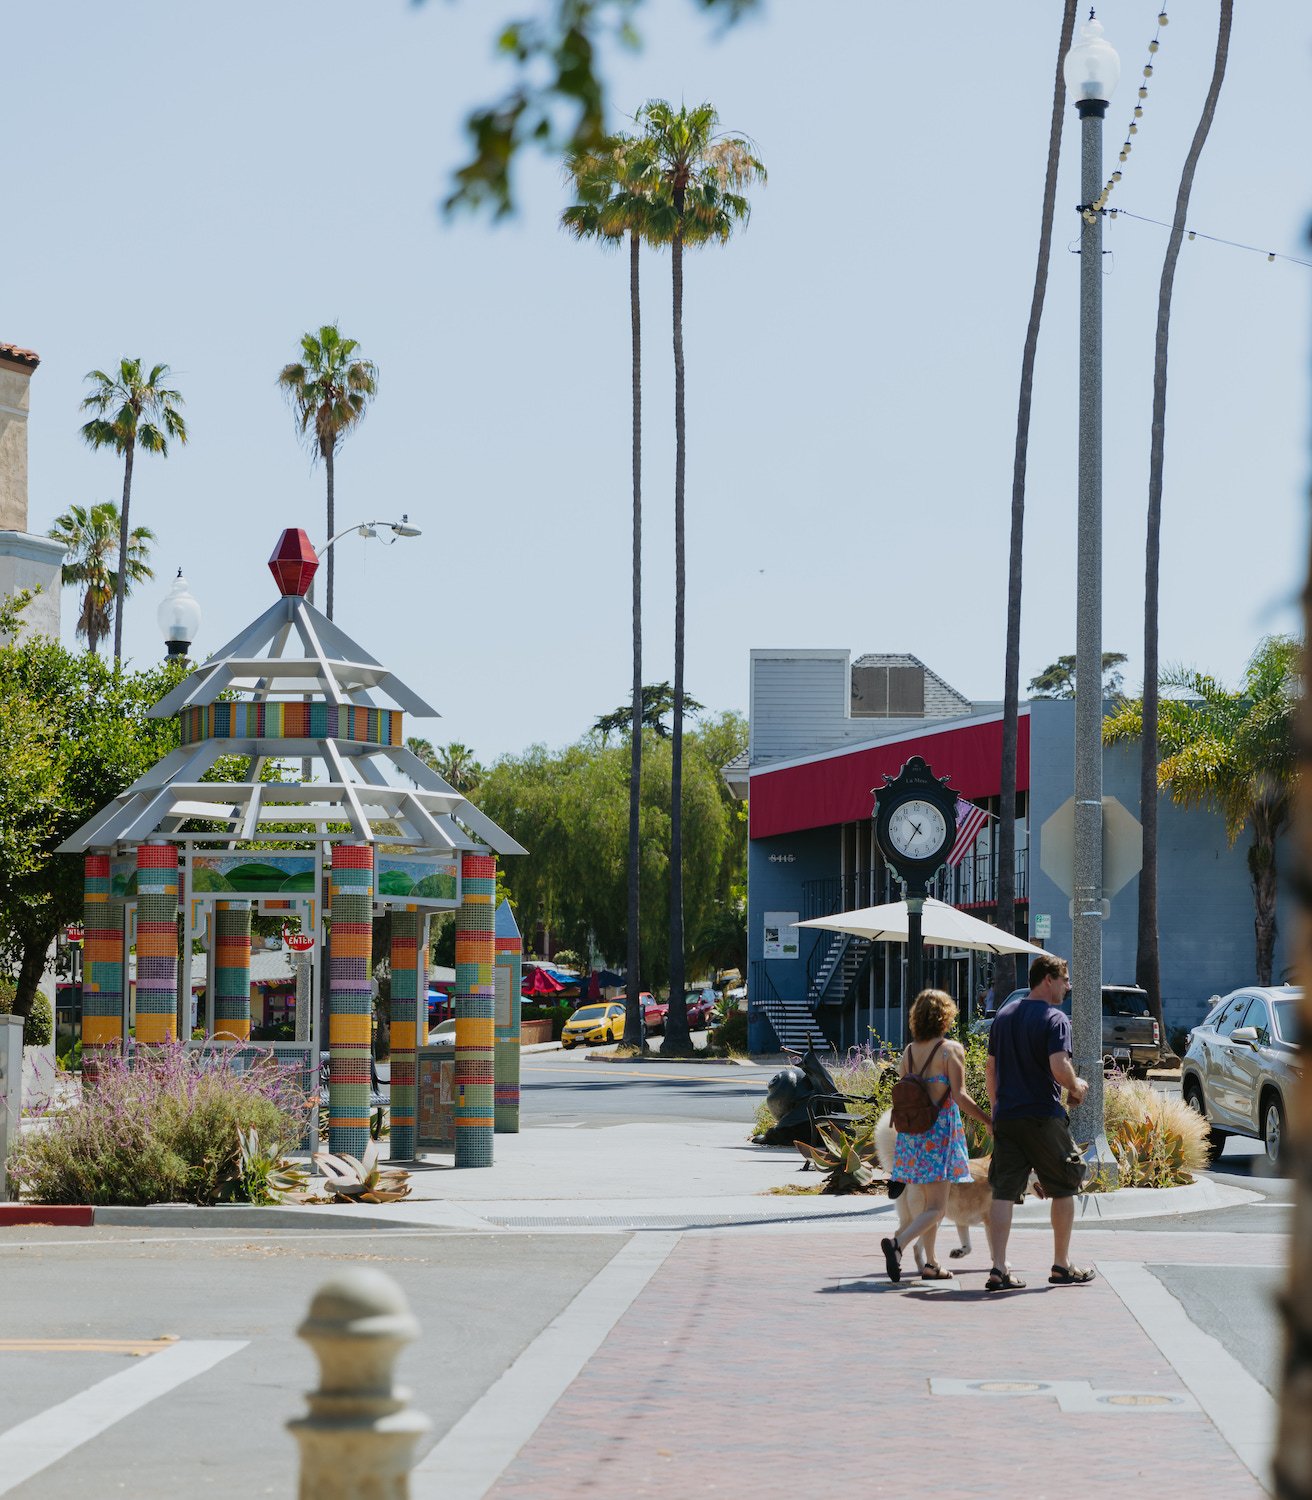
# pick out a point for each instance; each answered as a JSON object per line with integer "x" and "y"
{"x": 367, "y": 529}
{"x": 1091, "y": 69}
{"x": 179, "y": 617}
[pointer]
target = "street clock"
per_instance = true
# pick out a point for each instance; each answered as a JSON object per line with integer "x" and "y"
{"x": 915, "y": 822}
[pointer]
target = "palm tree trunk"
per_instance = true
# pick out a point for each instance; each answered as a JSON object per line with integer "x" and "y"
{"x": 632, "y": 1009}
{"x": 676, "y": 1020}
{"x": 121, "y": 583}
{"x": 332, "y": 523}
{"x": 1004, "y": 966}
{"x": 1293, "y": 1463}
{"x": 1148, "y": 963}
{"x": 1262, "y": 871}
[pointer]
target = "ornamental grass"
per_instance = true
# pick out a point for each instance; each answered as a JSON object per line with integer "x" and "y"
{"x": 163, "y": 1126}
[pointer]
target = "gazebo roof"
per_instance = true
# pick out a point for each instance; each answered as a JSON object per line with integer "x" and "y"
{"x": 293, "y": 686}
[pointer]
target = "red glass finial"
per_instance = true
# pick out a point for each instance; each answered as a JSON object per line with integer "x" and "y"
{"x": 293, "y": 563}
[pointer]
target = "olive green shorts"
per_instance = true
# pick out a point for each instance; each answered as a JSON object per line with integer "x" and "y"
{"x": 1043, "y": 1146}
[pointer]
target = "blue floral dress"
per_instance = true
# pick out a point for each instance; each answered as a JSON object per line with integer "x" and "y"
{"x": 939, "y": 1155}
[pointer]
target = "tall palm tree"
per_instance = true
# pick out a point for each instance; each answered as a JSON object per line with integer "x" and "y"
{"x": 1233, "y": 750}
{"x": 613, "y": 188}
{"x": 700, "y": 173}
{"x": 1004, "y": 966}
{"x": 91, "y": 536}
{"x": 329, "y": 391}
{"x": 1148, "y": 962}
{"x": 132, "y": 410}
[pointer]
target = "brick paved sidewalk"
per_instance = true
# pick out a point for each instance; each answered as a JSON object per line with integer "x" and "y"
{"x": 769, "y": 1366}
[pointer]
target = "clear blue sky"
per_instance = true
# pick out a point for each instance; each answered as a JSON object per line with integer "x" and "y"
{"x": 198, "y": 184}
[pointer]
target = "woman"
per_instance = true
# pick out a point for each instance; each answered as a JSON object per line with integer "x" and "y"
{"x": 938, "y": 1157}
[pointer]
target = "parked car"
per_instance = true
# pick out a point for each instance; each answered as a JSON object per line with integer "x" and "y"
{"x": 594, "y": 1023}
{"x": 1242, "y": 1066}
{"x": 443, "y": 1034}
{"x": 1131, "y": 1038}
{"x": 701, "y": 1005}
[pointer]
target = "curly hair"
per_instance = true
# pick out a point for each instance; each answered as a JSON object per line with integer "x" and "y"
{"x": 933, "y": 1014}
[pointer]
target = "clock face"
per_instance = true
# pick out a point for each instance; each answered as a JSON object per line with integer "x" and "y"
{"x": 917, "y": 830}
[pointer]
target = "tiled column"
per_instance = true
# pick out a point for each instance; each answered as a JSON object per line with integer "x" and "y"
{"x": 232, "y": 971}
{"x": 475, "y": 954}
{"x": 351, "y": 895}
{"x": 102, "y": 967}
{"x": 509, "y": 975}
{"x": 157, "y": 943}
{"x": 407, "y": 998}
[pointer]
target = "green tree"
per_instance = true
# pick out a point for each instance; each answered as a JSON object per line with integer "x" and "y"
{"x": 555, "y": 55}
{"x": 74, "y": 731}
{"x": 1057, "y": 680}
{"x": 132, "y": 410}
{"x": 329, "y": 391}
{"x": 701, "y": 172}
{"x": 91, "y": 535}
{"x": 1232, "y": 749}
{"x": 455, "y": 763}
{"x": 1148, "y": 962}
{"x": 1004, "y": 966}
{"x": 656, "y": 700}
{"x": 613, "y": 198}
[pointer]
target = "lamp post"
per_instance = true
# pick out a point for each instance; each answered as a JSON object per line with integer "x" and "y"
{"x": 1091, "y": 69}
{"x": 179, "y": 617}
{"x": 367, "y": 529}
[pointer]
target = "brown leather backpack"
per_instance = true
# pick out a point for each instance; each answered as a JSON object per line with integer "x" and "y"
{"x": 914, "y": 1108}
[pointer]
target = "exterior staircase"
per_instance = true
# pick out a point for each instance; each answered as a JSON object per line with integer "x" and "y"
{"x": 841, "y": 966}
{"x": 794, "y": 1025}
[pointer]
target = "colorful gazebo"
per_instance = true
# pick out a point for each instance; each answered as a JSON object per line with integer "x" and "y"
{"x": 368, "y": 827}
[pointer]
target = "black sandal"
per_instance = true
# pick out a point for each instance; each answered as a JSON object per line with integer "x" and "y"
{"x": 1071, "y": 1275}
{"x": 892, "y": 1259}
{"x": 1002, "y": 1281}
{"x": 935, "y": 1272}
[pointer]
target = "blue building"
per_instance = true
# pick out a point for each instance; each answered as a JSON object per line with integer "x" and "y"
{"x": 823, "y": 732}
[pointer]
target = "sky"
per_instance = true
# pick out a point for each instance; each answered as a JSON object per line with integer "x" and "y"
{"x": 199, "y": 184}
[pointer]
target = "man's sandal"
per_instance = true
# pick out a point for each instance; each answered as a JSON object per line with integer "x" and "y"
{"x": 1071, "y": 1275}
{"x": 1002, "y": 1281}
{"x": 892, "y": 1259}
{"x": 935, "y": 1272}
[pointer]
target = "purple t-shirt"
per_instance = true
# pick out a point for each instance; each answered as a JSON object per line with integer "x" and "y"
{"x": 1024, "y": 1035}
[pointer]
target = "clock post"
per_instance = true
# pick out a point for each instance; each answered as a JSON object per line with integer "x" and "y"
{"x": 915, "y": 828}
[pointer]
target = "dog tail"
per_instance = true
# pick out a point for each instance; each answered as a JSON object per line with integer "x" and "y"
{"x": 886, "y": 1141}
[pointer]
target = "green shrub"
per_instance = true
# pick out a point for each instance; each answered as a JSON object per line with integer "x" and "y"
{"x": 39, "y": 1026}
{"x": 1157, "y": 1139}
{"x": 731, "y": 1033}
{"x": 163, "y": 1127}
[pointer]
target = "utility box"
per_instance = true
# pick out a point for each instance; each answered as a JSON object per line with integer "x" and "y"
{"x": 435, "y": 1086}
{"x": 11, "y": 1090}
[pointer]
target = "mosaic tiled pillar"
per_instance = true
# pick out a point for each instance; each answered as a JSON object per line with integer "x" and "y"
{"x": 509, "y": 976}
{"x": 232, "y": 971}
{"x": 102, "y": 967}
{"x": 407, "y": 998}
{"x": 157, "y": 944}
{"x": 351, "y": 895}
{"x": 475, "y": 954}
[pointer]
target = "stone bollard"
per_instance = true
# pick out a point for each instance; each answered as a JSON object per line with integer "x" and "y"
{"x": 358, "y": 1441}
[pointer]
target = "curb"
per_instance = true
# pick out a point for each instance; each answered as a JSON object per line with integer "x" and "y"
{"x": 80, "y": 1216}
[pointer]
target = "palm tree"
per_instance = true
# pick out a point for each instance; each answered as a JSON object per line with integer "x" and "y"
{"x": 132, "y": 410}
{"x": 1004, "y": 966}
{"x": 1148, "y": 962}
{"x": 1231, "y": 749}
{"x": 329, "y": 391}
{"x": 91, "y": 537}
{"x": 614, "y": 187}
{"x": 458, "y": 766}
{"x": 700, "y": 172}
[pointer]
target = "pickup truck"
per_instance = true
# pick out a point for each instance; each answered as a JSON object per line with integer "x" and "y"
{"x": 1131, "y": 1038}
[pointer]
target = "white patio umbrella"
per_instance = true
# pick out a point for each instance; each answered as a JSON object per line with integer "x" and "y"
{"x": 942, "y": 925}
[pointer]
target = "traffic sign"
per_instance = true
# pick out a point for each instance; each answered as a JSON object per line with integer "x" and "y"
{"x": 75, "y": 932}
{"x": 298, "y": 942}
{"x": 1122, "y": 846}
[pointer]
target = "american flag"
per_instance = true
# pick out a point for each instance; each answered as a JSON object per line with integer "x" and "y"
{"x": 970, "y": 819}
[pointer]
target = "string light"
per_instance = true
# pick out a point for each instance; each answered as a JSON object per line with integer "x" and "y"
{"x": 1215, "y": 239}
{"x": 1099, "y": 204}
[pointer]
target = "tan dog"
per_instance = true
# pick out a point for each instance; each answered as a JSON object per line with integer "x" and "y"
{"x": 968, "y": 1202}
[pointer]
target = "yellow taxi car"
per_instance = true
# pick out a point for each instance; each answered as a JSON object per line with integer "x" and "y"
{"x": 594, "y": 1023}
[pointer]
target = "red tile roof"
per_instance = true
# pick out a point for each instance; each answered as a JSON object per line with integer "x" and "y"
{"x": 19, "y": 356}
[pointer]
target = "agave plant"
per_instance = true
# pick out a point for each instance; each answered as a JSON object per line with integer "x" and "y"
{"x": 265, "y": 1176}
{"x": 847, "y": 1160}
{"x": 362, "y": 1180}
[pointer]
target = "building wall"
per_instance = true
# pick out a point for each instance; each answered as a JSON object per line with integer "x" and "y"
{"x": 15, "y": 383}
{"x": 33, "y": 563}
{"x": 1205, "y": 900}
{"x": 776, "y": 871}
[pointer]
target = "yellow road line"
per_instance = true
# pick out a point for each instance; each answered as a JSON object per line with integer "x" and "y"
{"x": 86, "y": 1346}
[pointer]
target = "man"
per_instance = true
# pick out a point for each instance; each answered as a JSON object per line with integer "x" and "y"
{"x": 1029, "y": 1064}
